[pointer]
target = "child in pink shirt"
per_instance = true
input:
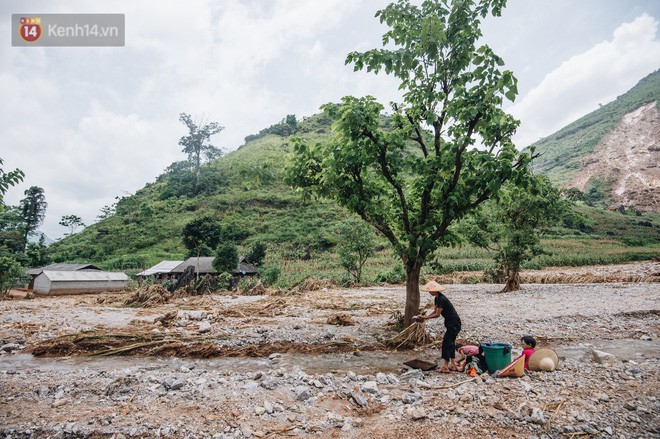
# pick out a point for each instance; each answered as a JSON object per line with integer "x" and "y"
{"x": 528, "y": 345}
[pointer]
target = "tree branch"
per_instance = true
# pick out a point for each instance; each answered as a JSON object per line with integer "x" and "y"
{"x": 382, "y": 160}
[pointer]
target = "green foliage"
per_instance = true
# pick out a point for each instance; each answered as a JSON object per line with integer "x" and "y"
{"x": 226, "y": 258}
{"x": 7, "y": 179}
{"x": 269, "y": 274}
{"x": 596, "y": 194}
{"x": 451, "y": 87}
{"x": 72, "y": 222}
{"x": 11, "y": 231}
{"x": 284, "y": 128}
{"x": 33, "y": 211}
{"x": 196, "y": 145}
{"x": 11, "y": 274}
{"x": 356, "y": 245}
{"x": 510, "y": 225}
{"x": 36, "y": 253}
{"x": 393, "y": 275}
{"x": 200, "y": 235}
{"x": 223, "y": 281}
{"x": 257, "y": 254}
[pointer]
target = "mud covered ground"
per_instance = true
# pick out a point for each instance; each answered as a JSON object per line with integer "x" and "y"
{"x": 279, "y": 366}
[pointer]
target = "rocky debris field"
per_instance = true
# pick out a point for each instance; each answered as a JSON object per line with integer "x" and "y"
{"x": 260, "y": 381}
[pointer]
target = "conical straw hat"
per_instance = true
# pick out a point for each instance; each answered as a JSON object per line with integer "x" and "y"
{"x": 432, "y": 286}
{"x": 544, "y": 359}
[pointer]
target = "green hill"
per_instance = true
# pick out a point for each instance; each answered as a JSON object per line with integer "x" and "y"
{"x": 245, "y": 192}
{"x": 561, "y": 152}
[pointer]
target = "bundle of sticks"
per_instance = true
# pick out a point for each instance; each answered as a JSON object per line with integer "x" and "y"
{"x": 413, "y": 336}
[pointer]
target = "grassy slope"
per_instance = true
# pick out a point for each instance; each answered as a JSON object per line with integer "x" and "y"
{"x": 300, "y": 234}
{"x": 562, "y": 151}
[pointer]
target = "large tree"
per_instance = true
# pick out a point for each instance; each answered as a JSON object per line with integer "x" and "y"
{"x": 444, "y": 150}
{"x": 196, "y": 145}
{"x": 33, "y": 211}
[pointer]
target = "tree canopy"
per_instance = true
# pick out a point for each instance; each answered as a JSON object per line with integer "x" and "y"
{"x": 33, "y": 211}
{"x": 509, "y": 226}
{"x": 201, "y": 236}
{"x": 196, "y": 145}
{"x": 443, "y": 151}
{"x": 72, "y": 222}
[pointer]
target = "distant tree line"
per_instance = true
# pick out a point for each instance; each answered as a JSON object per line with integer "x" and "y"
{"x": 286, "y": 127}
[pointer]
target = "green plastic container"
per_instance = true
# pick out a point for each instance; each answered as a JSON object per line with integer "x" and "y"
{"x": 498, "y": 355}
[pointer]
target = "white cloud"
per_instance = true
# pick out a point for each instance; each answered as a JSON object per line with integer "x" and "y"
{"x": 596, "y": 76}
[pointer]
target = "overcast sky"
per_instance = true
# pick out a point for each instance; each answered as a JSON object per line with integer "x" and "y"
{"x": 88, "y": 124}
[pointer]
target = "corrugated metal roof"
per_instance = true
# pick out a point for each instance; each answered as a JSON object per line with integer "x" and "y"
{"x": 161, "y": 267}
{"x": 62, "y": 267}
{"x": 205, "y": 265}
{"x": 84, "y": 275}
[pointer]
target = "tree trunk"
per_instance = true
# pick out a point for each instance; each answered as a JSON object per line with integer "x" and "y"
{"x": 512, "y": 282}
{"x": 412, "y": 293}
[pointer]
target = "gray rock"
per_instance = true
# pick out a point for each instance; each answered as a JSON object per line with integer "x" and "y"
{"x": 537, "y": 416}
{"x": 204, "y": 327}
{"x": 195, "y": 315}
{"x": 268, "y": 407}
{"x": 9, "y": 347}
{"x": 414, "y": 374}
{"x": 60, "y": 403}
{"x": 630, "y": 406}
{"x": 302, "y": 393}
{"x": 370, "y": 387}
{"x": 418, "y": 414}
{"x": 359, "y": 398}
{"x": 173, "y": 383}
{"x": 381, "y": 378}
{"x": 270, "y": 384}
{"x": 351, "y": 375}
{"x": 411, "y": 398}
{"x": 601, "y": 357}
{"x": 392, "y": 379}
{"x": 259, "y": 411}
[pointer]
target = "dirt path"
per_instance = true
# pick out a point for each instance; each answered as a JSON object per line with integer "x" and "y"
{"x": 352, "y": 393}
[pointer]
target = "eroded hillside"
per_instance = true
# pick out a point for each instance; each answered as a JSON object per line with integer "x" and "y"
{"x": 627, "y": 159}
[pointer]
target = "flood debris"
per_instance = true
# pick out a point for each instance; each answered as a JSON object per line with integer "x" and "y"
{"x": 104, "y": 344}
{"x": 413, "y": 336}
{"x": 341, "y": 320}
{"x": 151, "y": 296}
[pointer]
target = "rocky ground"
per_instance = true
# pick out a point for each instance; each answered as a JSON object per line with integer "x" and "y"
{"x": 261, "y": 383}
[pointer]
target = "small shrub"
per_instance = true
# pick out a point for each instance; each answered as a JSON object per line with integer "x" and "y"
{"x": 269, "y": 274}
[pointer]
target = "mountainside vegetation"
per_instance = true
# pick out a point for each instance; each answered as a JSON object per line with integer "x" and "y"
{"x": 244, "y": 190}
{"x": 560, "y": 153}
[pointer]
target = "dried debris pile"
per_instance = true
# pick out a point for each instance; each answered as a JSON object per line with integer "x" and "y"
{"x": 105, "y": 344}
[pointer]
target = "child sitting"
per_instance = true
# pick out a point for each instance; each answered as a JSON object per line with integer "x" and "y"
{"x": 465, "y": 351}
{"x": 471, "y": 358}
{"x": 528, "y": 345}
